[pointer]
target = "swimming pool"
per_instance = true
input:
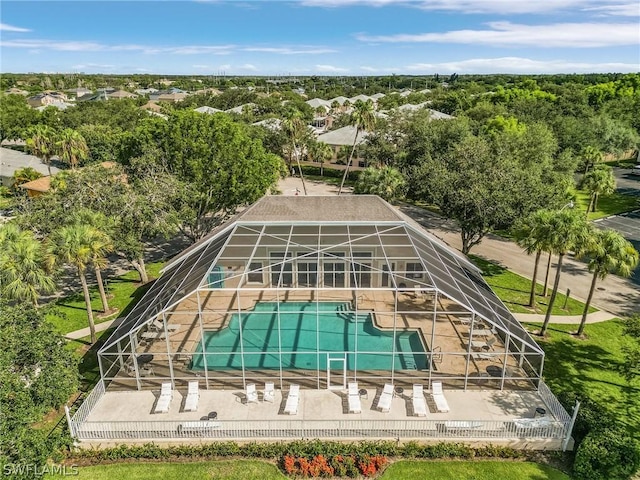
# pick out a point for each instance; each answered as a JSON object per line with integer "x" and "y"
{"x": 308, "y": 334}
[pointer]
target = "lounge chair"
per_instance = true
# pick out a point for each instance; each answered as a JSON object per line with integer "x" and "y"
{"x": 384, "y": 402}
{"x": 251, "y": 393}
{"x": 166, "y": 394}
{"x": 355, "y": 406}
{"x": 293, "y": 399}
{"x": 419, "y": 404}
{"x": 269, "y": 394}
{"x": 438, "y": 397}
{"x": 193, "y": 395}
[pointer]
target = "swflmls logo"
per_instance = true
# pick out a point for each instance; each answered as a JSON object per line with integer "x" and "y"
{"x": 23, "y": 469}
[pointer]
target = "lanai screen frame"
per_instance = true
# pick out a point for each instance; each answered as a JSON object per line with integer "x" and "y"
{"x": 447, "y": 275}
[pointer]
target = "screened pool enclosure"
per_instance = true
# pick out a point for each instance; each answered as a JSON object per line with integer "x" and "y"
{"x": 319, "y": 291}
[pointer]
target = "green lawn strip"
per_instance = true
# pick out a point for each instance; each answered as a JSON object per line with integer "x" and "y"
{"x": 514, "y": 290}
{"x": 591, "y": 367}
{"x": 608, "y": 204}
{"x": 123, "y": 293}
{"x": 252, "y": 469}
{"x": 477, "y": 470}
{"x": 219, "y": 470}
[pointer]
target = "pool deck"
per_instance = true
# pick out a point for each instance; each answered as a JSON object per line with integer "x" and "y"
{"x": 327, "y": 405}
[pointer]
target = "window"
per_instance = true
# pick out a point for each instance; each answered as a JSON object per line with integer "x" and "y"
{"x": 386, "y": 275}
{"x": 307, "y": 274}
{"x": 414, "y": 270}
{"x": 361, "y": 269}
{"x": 253, "y": 276}
{"x": 334, "y": 270}
{"x": 281, "y": 270}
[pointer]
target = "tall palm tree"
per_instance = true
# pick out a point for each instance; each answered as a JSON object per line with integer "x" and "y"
{"x": 363, "y": 119}
{"x": 101, "y": 246}
{"x": 532, "y": 234}
{"x": 72, "y": 147}
{"x": 591, "y": 157}
{"x": 23, "y": 272}
{"x": 568, "y": 230}
{"x": 608, "y": 252}
{"x": 78, "y": 245}
{"x": 599, "y": 181}
{"x": 321, "y": 152}
{"x": 296, "y": 129}
{"x": 41, "y": 142}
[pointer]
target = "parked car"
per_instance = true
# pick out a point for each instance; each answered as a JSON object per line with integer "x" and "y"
{"x": 635, "y": 170}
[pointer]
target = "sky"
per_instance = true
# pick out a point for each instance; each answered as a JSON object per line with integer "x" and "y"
{"x": 321, "y": 37}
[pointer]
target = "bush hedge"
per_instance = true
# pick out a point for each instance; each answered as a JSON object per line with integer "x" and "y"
{"x": 606, "y": 454}
{"x": 298, "y": 449}
{"x": 328, "y": 172}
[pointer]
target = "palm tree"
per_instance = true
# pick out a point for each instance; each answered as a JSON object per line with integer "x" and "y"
{"x": 335, "y": 108}
{"x": 321, "y": 152}
{"x": 23, "y": 272}
{"x": 531, "y": 234}
{"x": 568, "y": 230}
{"x": 591, "y": 157}
{"x": 41, "y": 142}
{"x": 101, "y": 246}
{"x": 296, "y": 128}
{"x": 72, "y": 147}
{"x": 599, "y": 181}
{"x": 78, "y": 245}
{"x": 363, "y": 119}
{"x": 608, "y": 252}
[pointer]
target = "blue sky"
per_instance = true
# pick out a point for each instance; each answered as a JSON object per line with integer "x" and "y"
{"x": 321, "y": 37}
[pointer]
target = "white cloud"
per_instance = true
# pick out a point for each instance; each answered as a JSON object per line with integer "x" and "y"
{"x": 330, "y": 69}
{"x": 290, "y": 51}
{"x": 576, "y": 35}
{"x": 10, "y": 28}
{"x": 93, "y": 66}
{"x": 225, "y": 66}
{"x": 88, "y": 46}
{"x": 248, "y": 66}
{"x": 518, "y": 65}
{"x": 369, "y": 69}
{"x": 501, "y": 7}
{"x": 621, "y": 10}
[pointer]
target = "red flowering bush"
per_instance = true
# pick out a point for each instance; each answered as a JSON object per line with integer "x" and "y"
{"x": 339, "y": 465}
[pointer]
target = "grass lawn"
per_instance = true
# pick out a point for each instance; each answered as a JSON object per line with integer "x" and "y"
{"x": 514, "y": 290}
{"x": 123, "y": 293}
{"x": 480, "y": 470}
{"x": 608, "y": 204}
{"x": 591, "y": 367}
{"x": 219, "y": 470}
{"x": 253, "y": 469}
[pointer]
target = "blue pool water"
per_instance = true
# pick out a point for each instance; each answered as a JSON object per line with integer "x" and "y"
{"x": 306, "y": 328}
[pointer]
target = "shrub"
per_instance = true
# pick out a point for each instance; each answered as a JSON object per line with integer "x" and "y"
{"x": 606, "y": 454}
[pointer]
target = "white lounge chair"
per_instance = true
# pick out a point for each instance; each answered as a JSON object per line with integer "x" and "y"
{"x": 269, "y": 394}
{"x": 438, "y": 397}
{"x": 166, "y": 394}
{"x": 293, "y": 399}
{"x": 355, "y": 406}
{"x": 419, "y": 403}
{"x": 251, "y": 393}
{"x": 193, "y": 396}
{"x": 384, "y": 402}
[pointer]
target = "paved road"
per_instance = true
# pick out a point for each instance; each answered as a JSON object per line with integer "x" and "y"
{"x": 626, "y": 183}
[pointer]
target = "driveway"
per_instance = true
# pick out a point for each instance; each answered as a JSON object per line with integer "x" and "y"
{"x": 626, "y": 183}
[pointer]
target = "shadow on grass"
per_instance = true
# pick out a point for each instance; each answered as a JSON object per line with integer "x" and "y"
{"x": 489, "y": 269}
{"x": 591, "y": 372}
